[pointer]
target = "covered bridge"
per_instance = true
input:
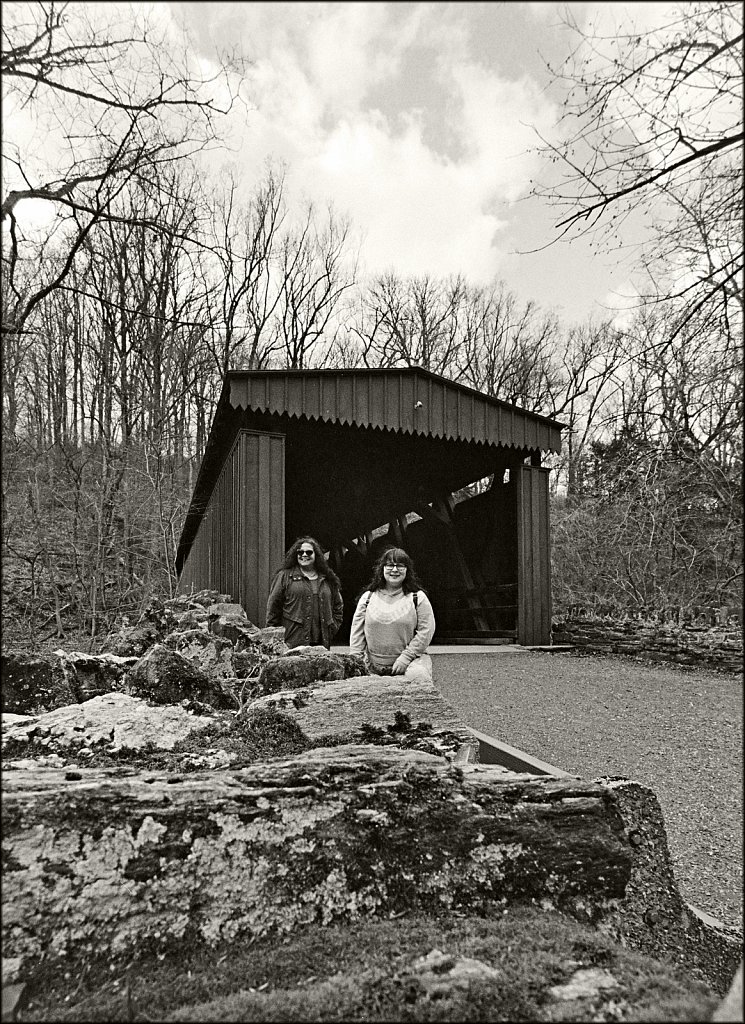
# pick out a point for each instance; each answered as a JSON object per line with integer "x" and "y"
{"x": 365, "y": 458}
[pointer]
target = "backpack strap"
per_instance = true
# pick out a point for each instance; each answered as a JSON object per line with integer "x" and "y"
{"x": 415, "y": 595}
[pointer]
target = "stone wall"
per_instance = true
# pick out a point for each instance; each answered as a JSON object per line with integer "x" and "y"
{"x": 702, "y": 646}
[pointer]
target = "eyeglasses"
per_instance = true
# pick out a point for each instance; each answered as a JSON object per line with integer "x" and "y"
{"x": 395, "y": 565}
{"x": 305, "y": 554}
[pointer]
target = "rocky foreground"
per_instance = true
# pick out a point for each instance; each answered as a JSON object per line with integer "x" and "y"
{"x": 199, "y": 783}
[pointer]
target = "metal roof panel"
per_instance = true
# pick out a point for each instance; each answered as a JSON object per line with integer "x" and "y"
{"x": 390, "y": 399}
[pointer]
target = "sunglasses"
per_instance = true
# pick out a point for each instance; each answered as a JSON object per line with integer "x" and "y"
{"x": 394, "y": 565}
{"x": 305, "y": 554}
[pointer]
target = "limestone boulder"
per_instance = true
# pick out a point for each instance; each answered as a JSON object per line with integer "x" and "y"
{"x": 100, "y": 862}
{"x": 165, "y": 676}
{"x": 112, "y": 722}
{"x": 29, "y": 684}
{"x": 229, "y": 620}
{"x": 35, "y": 684}
{"x": 192, "y": 618}
{"x": 353, "y": 664}
{"x": 236, "y": 652}
{"x": 293, "y": 670}
{"x": 159, "y": 614}
{"x": 198, "y": 599}
{"x": 132, "y": 641}
{"x": 211, "y": 654}
{"x": 157, "y": 619}
{"x": 90, "y": 675}
{"x": 269, "y": 641}
{"x": 227, "y": 608}
{"x": 376, "y": 709}
{"x": 236, "y": 629}
{"x": 248, "y": 661}
{"x": 329, "y": 835}
{"x": 273, "y": 638}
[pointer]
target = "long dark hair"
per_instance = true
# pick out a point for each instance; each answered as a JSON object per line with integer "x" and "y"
{"x": 321, "y": 566}
{"x": 411, "y": 580}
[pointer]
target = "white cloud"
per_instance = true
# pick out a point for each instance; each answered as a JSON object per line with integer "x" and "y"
{"x": 497, "y": 125}
{"x": 352, "y": 48}
{"x": 328, "y": 87}
{"x": 418, "y": 210}
{"x": 541, "y": 12}
{"x": 624, "y": 17}
{"x": 622, "y": 303}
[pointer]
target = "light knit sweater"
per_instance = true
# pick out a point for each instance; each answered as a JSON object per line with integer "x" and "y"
{"x": 383, "y": 632}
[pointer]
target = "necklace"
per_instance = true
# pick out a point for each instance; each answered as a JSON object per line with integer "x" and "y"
{"x": 309, "y": 577}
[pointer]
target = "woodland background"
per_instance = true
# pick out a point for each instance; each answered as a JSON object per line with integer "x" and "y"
{"x": 155, "y": 276}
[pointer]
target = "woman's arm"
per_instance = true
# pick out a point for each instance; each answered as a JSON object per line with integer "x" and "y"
{"x": 275, "y": 601}
{"x": 337, "y": 607}
{"x": 357, "y": 641}
{"x": 425, "y": 630}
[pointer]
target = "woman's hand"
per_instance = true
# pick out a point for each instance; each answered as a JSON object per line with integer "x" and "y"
{"x": 399, "y": 666}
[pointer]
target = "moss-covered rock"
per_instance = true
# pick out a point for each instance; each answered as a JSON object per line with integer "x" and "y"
{"x": 486, "y": 967}
{"x": 166, "y": 677}
{"x": 291, "y": 671}
{"x": 112, "y": 722}
{"x": 29, "y": 685}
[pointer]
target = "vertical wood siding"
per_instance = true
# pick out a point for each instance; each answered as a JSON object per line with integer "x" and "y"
{"x": 533, "y": 556}
{"x": 240, "y": 541}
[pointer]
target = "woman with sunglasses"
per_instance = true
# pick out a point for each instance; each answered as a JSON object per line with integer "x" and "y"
{"x": 305, "y": 596}
{"x": 394, "y": 623}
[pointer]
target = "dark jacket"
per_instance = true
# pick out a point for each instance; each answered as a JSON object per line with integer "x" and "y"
{"x": 288, "y": 605}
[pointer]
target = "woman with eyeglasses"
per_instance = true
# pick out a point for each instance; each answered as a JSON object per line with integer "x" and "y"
{"x": 305, "y": 596}
{"x": 393, "y": 624}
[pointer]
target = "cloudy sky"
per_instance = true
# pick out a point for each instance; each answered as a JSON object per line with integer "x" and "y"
{"x": 419, "y": 121}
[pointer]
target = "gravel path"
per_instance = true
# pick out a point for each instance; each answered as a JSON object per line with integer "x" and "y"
{"x": 677, "y": 731}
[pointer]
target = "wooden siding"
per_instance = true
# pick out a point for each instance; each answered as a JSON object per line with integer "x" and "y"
{"x": 240, "y": 540}
{"x": 533, "y": 556}
{"x": 390, "y": 399}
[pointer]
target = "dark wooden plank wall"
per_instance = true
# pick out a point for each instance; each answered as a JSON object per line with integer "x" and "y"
{"x": 241, "y": 538}
{"x": 263, "y": 519}
{"x": 533, "y": 556}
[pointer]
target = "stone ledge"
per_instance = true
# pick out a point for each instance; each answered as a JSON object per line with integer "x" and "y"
{"x": 109, "y": 860}
{"x": 339, "y": 708}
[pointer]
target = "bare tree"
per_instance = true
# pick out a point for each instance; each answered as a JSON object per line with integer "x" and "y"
{"x": 652, "y": 124}
{"x": 509, "y": 348}
{"x": 315, "y": 270}
{"x": 246, "y": 294}
{"x": 593, "y": 364}
{"x": 407, "y": 321}
{"x": 115, "y": 102}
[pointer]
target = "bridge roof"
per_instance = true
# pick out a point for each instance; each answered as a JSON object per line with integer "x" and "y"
{"x": 406, "y": 399}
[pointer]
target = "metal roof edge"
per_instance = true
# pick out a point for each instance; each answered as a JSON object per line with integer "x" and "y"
{"x": 401, "y": 370}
